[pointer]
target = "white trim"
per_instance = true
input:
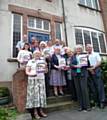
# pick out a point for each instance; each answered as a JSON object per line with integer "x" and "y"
{"x": 12, "y": 34}
{"x": 21, "y": 27}
{"x": 98, "y": 42}
{"x": 31, "y": 30}
{"x": 105, "y": 42}
{"x": 61, "y": 32}
{"x": 35, "y": 28}
{"x": 83, "y": 40}
{"x": 97, "y": 32}
{"x": 12, "y": 30}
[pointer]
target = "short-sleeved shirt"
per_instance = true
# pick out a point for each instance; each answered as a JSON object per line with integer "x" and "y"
{"x": 20, "y": 45}
{"x": 35, "y": 67}
{"x": 24, "y": 56}
{"x": 94, "y": 58}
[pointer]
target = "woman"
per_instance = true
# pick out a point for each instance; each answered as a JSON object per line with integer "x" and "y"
{"x": 79, "y": 74}
{"x": 57, "y": 78}
{"x": 36, "y": 95}
{"x": 24, "y": 55}
{"x": 70, "y": 81}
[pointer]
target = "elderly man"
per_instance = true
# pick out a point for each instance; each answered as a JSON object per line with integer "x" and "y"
{"x": 21, "y": 43}
{"x": 96, "y": 83}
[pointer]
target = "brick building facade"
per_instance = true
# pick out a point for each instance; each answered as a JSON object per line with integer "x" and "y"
{"x": 73, "y": 21}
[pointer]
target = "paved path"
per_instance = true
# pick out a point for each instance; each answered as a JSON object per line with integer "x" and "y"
{"x": 96, "y": 114}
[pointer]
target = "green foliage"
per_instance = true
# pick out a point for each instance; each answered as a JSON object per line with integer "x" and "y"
{"x": 8, "y": 114}
{"x": 104, "y": 74}
{"x": 4, "y": 91}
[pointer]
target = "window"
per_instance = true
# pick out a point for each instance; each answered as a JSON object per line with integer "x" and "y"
{"x": 90, "y": 3}
{"x": 78, "y": 35}
{"x": 39, "y": 24}
{"x": 46, "y": 25}
{"x": 58, "y": 30}
{"x": 95, "y": 41}
{"x": 31, "y": 22}
{"x": 17, "y": 32}
{"x": 89, "y": 36}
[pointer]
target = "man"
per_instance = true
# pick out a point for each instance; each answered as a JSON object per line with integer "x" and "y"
{"x": 96, "y": 84}
{"x": 21, "y": 43}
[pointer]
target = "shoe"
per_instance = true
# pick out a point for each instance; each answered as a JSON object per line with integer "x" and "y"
{"x": 42, "y": 114}
{"x": 56, "y": 94}
{"x": 80, "y": 109}
{"x": 36, "y": 116}
{"x": 88, "y": 109}
{"x": 102, "y": 105}
{"x": 84, "y": 110}
{"x": 61, "y": 93}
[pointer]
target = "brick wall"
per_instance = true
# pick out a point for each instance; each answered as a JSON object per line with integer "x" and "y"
{"x": 19, "y": 87}
{"x": 103, "y": 6}
{"x": 26, "y": 12}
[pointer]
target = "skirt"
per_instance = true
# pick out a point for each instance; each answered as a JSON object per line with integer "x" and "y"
{"x": 57, "y": 78}
{"x": 36, "y": 94}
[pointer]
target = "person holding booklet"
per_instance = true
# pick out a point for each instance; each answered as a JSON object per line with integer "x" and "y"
{"x": 94, "y": 71}
{"x": 57, "y": 78}
{"x": 36, "y": 94}
{"x": 79, "y": 74}
{"x": 24, "y": 55}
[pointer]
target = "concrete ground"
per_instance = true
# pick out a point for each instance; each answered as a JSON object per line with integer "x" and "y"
{"x": 96, "y": 114}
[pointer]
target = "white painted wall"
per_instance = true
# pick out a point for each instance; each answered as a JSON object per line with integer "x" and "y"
{"x": 80, "y": 16}
{"x": 75, "y": 15}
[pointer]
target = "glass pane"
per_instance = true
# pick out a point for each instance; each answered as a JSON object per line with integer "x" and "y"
{"x": 46, "y": 25}
{"x": 95, "y": 41}
{"x": 16, "y": 32}
{"x": 102, "y": 43}
{"x": 58, "y": 30}
{"x": 82, "y": 2}
{"x": 78, "y": 36}
{"x": 38, "y": 23}
{"x": 95, "y": 4}
{"x": 88, "y": 3}
{"x": 31, "y": 22}
{"x": 87, "y": 38}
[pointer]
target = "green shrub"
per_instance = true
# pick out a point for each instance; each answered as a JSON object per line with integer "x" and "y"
{"x": 104, "y": 74}
{"x": 4, "y": 91}
{"x": 8, "y": 114}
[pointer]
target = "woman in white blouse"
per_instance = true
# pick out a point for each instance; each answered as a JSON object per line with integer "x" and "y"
{"x": 24, "y": 55}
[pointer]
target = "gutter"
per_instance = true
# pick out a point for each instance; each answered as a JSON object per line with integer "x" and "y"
{"x": 64, "y": 18}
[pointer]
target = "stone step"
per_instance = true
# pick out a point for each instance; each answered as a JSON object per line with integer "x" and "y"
{"x": 53, "y": 99}
{"x": 61, "y": 106}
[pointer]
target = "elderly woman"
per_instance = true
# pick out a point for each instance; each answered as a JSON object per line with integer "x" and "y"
{"x": 70, "y": 81}
{"x": 79, "y": 74}
{"x": 36, "y": 95}
{"x": 57, "y": 78}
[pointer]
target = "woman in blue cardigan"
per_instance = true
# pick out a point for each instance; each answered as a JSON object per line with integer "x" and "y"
{"x": 80, "y": 74}
{"x": 57, "y": 79}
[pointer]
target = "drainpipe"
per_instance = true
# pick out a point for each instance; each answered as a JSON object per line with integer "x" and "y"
{"x": 64, "y": 18}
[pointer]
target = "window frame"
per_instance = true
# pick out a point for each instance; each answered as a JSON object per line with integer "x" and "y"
{"x": 12, "y": 31}
{"x": 35, "y": 28}
{"x": 93, "y": 7}
{"x": 96, "y": 31}
{"x": 61, "y": 29}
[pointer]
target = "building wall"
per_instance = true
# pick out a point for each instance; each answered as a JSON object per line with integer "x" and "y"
{"x": 80, "y": 16}
{"x": 103, "y": 4}
{"x": 75, "y": 16}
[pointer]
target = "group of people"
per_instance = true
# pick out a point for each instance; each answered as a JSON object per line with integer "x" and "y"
{"x": 57, "y": 64}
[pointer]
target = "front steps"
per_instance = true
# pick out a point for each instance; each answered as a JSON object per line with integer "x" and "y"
{"x": 60, "y": 103}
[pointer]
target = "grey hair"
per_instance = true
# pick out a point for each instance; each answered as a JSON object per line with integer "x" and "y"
{"x": 78, "y": 46}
